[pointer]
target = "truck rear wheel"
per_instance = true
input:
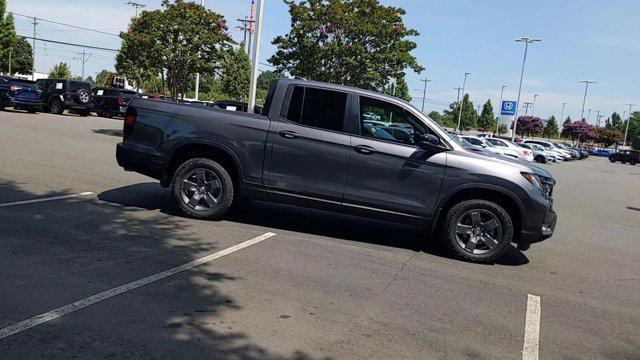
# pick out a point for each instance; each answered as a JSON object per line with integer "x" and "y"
{"x": 203, "y": 189}
{"x": 478, "y": 230}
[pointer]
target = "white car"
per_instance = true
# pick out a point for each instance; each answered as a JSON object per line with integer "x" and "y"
{"x": 540, "y": 154}
{"x": 523, "y": 153}
{"x": 549, "y": 146}
{"x": 474, "y": 140}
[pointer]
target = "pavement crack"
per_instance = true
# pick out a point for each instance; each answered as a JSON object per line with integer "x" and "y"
{"x": 397, "y": 273}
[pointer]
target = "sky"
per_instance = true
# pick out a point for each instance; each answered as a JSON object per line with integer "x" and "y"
{"x": 581, "y": 40}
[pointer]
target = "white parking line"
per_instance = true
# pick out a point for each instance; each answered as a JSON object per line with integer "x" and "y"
{"x": 61, "y": 311}
{"x": 86, "y": 193}
{"x": 531, "y": 329}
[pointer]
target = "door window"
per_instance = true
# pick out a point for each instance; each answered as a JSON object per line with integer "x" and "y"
{"x": 497, "y": 142}
{"x": 318, "y": 108}
{"x": 386, "y": 121}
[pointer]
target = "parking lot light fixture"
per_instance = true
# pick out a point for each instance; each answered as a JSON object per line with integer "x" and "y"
{"x": 561, "y": 121}
{"x": 584, "y": 99}
{"x": 464, "y": 84}
{"x": 626, "y": 131}
{"x": 526, "y": 40}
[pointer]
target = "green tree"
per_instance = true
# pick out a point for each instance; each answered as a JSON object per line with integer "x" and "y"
{"x": 469, "y": 114}
{"x": 502, "y": 129}
{"x": 21, "y": 58}
{"x": 60, "y": 71}
{"x": 616, "y": 122}
{"x": 175, "y": 42}
{"x": 486, "y": 121}
{"x": 15, "y": 52}
{"x": 399, "y": 89}
{"x": 103, "y": 77}
{"x": 359, "y": 43}
{"x": 265, "y": 78}
{"x": 551, "y": 128}
{"x": 633, "y": 137}
{"x": 436, "y": 116}
{"x": 236, "y": 73}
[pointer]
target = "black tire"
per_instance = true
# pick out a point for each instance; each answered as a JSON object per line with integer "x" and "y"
{"x": 612, "y": 160}
{"x": 225, "y": 196}
{"x": 483, "y": 251}
{"x": 632, "y": 162}
{"x": 31, "y": 110}
{"x": 540, "y": 159}
{"x": 55, "y": 107}
{"x": 84, "y": 113}
{"x": 1, "y": 105}
{"x": 107, "y": 112}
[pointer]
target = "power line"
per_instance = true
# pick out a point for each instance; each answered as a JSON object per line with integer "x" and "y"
{"x": 69, "y": 25}
{"x": 68, "y": 43}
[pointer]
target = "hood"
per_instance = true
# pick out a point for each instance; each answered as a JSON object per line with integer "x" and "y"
{"x": 519, "y": 165}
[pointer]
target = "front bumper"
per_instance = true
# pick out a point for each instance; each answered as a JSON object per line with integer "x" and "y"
{"x": 540, "y": 232}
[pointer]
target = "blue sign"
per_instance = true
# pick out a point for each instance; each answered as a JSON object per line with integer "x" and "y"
{"x": 508, "y": 108}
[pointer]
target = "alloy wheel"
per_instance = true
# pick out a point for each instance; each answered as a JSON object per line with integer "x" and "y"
{"x": 201, "y": 189}
{"x": 478, "y": 231}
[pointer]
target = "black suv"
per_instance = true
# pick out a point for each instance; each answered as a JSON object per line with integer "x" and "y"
{"x": 110, "y": 102}
{"x": 626, "y": 156}
{"x": 19, "y": 93}
{"x": 59, "y": 95}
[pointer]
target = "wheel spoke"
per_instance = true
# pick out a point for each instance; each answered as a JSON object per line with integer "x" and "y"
{"x": 211, "y": 201}
{"x": 215, "y": 184}
{"x": 489, "y": 241}
{"x": 475, "y": 218}
{"x": 189, "y": 185}
{"x": 463, "y": 229}
{"x": 490, "y": 225}
{"x": 471, "y": 245}
{"x": 200, "y": 179}
{"x": 195, "y": 200}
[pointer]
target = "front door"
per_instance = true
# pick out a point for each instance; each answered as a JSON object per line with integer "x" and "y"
{"x": 310, "y": 152}
{"x": 389, "y": 172}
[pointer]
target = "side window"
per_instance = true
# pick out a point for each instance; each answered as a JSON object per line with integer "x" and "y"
{"x": 385, "y": 121}
{"x": 496, "y": 142}
{"x": 319, "y": 108}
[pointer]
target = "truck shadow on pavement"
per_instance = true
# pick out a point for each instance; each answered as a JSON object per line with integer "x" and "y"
{"x": 58, "y": 252}
{"x": 151, "y": 196}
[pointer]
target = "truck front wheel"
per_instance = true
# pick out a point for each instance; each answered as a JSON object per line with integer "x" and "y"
{"x": 203, "y": 189}
{"x": 478, "y": 230}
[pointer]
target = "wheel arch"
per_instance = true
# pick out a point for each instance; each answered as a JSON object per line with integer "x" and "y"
{"x": 501, "y": 196}
{"x": 205, "y": 149}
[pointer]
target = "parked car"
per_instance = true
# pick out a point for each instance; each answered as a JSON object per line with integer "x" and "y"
{"x": 19, "y": 93}
{"x": 575, "y": 154}
{"x": 490, "y": 147}
{"x": 474, "y": 148}
{"x": 602, "y": 152}
{"x": 59, "y": 95}
{"x": 311, "y": 148}
{"x": 523, "y": 153}
{"x": 549, "y": 146}
{"x": 540, "y": 154}
{"x": 626, "y": 156}
{"x": 110, "y": 102}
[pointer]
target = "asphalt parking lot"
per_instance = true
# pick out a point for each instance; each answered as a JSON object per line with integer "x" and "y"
{"x": 324, "y": 286}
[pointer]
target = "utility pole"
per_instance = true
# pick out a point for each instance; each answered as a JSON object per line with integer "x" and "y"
{"x": 588, "y": 115}
{"x": 136, "y": 5}
{"x": 84, "y": 58}
{"x": 254, "y": 61}
{"x": 561, "y": 120}
{"x": 584, "y": 99}
{"x": 628, "y": 118}
{"x": 458, "y": 98}
{"x": 464, "y": 84}
{"x": 500, "y": 107}
{"x": 197, "y": 91}
{"x": 251, "y": 23}
{"x": 599, "y": 117}
{"x": 245, "y": 28}
{"x": 533, "y": 107}
{"x": 526, "y": 107}
{"x": 33, "y": 72}
{"x": 526, "y": 40}
{"x": 424, "y": 91}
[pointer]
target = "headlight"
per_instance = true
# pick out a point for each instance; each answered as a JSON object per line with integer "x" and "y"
{"x": 543, "y": 183}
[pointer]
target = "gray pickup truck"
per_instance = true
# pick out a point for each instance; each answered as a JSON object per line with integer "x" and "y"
{"x": 342, "y": 149}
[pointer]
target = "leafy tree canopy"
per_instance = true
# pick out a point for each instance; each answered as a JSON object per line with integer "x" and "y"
{"x": 266, "y": 77}
{"x": 15, "y": 52}
{"x": 359, "y": 43}
{"x": 399, "y": 89}
{"x": 486, "y": 121}
{"x": 551, "y": 128}
{"x": 529, "y": 125}
{"x": 236, "y": 71}
{"x": 60, "y": 71}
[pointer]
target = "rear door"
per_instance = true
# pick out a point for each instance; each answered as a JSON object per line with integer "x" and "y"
{"x": 310, "y": 150}
{"x": 389, "y": 173}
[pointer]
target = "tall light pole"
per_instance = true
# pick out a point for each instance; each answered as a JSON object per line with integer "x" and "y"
{"x": 561, "y": 120}
{"x": 464, "y": 84}
{"x": 626, "y": 131}
{"x": 500, "y": 107}
{"x": 533, "y": 107}
{"x": 424, "y": 91}
{"x": 526, "y": 107}
{"x": 256, "y": 54}
{"x": 197, "y": 92}
{"x": 33, "y": 65}
{"x": 526, "y": 40}
{"x": 584, "y": 99}
{"x": 588, "y": 115}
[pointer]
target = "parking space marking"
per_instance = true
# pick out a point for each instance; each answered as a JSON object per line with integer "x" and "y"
{"x": 531, "y": 329}
{"x": 61, "y": 311}
{"x": 62, "y": 197}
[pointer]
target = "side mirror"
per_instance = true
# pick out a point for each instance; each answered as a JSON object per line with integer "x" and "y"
{"x": 429, "y": 142}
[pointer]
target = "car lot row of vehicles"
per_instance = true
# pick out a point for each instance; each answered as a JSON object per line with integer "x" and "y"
{"x": 541, "y": 151}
